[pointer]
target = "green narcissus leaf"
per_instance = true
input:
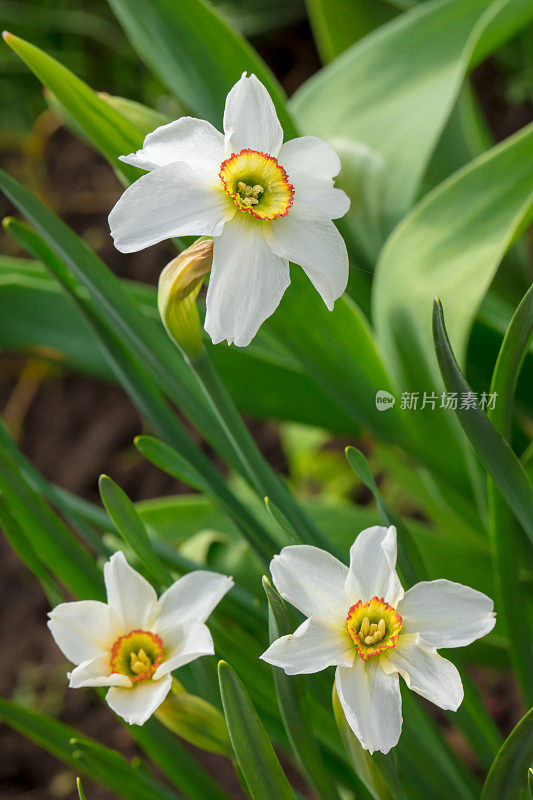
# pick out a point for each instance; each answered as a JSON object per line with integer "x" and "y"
{"x": 491, "y": 448}
{"x": 129, "y": 524}
{"x": 508, "y": 776}
{"x": 194, "y": 51}
{"x": 255, "y": 755}
{"x": 394, "y": 90}
{"x": 450, "y": 245}
{"x": 84, "y": 755}
{"x": 104, "y": 126}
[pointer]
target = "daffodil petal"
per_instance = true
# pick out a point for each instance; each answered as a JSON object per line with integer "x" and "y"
{"x": 317, "y": 246}
{"x": 446, "y": 614}
{"x": 96, "y": 672}
{"x": 193, "y": 597}
{"x": 373, "y": 567}
{"x": 309, "y": 156}
{"x": 246, "y": 284}
{"x": 372, "y": 703}
{"x": 318, "y": 200}
{"x": 129, "y": 594}
{"x": 313, "y": 581}
{"x": 250, "y": 119}
{"x": 82, "y": 630}
{"x": 136, "y": 705}
{"x": 314, "y": 646}
{"x": 185, "y": 643}
{"x": 425, "y": 671}
{"x": 194, "y": 141}
{"x": 172, "y": 200}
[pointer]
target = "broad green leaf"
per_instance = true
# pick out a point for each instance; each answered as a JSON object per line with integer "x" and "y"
{"x": 491, "y": 448}
{"x": 196, "y": 53}
{"x": 450, "y": 245}
{"x": 293, "y": 705}
{"x": 129, "y": 524}
{"x": 505, "y": 542}
{"x": 255, "y": 755}
{"x": 107, "y": 128}
{"x": 143, "y": 117}
{"x": 394, "y": 90}
{"x": 84, "y": 755}
{"x": 337, "y": 24}
{"x": 508, "y": 776}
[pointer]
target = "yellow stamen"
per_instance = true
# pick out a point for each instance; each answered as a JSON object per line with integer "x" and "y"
{"x": 373, "y": 627}
{"x": 257, "y": 184}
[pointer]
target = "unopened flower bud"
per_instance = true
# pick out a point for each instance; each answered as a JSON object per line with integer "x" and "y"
{"x": 179, "y": 284}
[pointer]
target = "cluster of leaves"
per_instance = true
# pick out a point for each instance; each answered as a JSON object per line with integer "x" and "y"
{"x": 436, "y": 209}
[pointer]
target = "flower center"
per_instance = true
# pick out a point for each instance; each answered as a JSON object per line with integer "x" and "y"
{"x": 257, "y": 184}
{"x": 373, "y": 627}
{"x": 137, "y": 654}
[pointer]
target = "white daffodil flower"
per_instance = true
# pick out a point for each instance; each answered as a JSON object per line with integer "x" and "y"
{"x": 133, "y": 642}
{"x": 265, "y": 203}
{"x": 361, "y": 621}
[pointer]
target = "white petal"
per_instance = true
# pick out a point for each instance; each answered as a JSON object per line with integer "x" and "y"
{"x": 192, "y": 597}
{"x": 309, "y": 156}
{"x": 372, "y": 703}
{"x": 82, "y": 630}
{"x": 96, "y": 672}
{"x": 446, "y": 614}
{"x": 173, "y": 200}
{"x": 129, "y": 594}
{"x": 373, "y": 566}
{"x": 250, "y": 119}
{"x": 136, "y": 705}
{"x": 185, "y": 643}
{"x": 313, "y": 581}
{"x": 317, "y": 246}
{"x": 318, "y": 200}
{"x": 425, "y": 672}
{"x": 314, "y": 646}
{"x": 246, "y": 284}
{"x": 194, "y": 141}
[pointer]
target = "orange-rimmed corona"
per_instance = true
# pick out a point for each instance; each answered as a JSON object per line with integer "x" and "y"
{"x": 257, "y": 184}
{"x": 137, "y": 655}
{"x": 373, "y": 627}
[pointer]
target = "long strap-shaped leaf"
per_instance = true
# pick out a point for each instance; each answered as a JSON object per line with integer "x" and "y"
{"x": 84, "y": 755}
{"x": 255, "y": 755}
{"x": 491, "y": 448}
{"x": 508, "y": 775}
{"x": 292, "y": 702}
{"x": 504, "y": 538}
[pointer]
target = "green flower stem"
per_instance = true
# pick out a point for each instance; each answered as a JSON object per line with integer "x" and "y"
{"x": 260, "y": 475}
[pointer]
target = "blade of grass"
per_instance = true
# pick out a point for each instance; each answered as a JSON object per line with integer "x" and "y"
{"x": 255, "y": 755}
{"x": 505, "y": 542}
{"x": 490, "y": 447}
{"x": 293, "y": 707}
{"x": 508, "y": 775}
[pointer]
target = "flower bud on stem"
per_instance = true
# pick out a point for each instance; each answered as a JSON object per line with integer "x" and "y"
{"x": 178, "y": 288}
{"x": 194, "y": 719}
